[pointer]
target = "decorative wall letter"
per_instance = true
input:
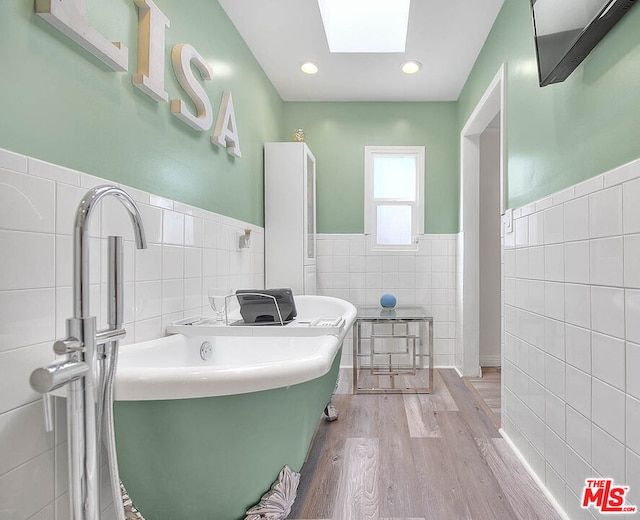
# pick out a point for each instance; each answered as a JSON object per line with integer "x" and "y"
{"x": 226, "y": 133}
{"x": 70, "y": 17}
{"x": 151, "y": 27}
{"x": 181, "y": 57}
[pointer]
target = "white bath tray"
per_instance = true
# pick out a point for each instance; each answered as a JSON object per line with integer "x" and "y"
{"x": 206, "y": 326}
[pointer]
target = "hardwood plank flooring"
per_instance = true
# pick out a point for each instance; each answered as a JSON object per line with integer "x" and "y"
{"x": 476, "y": 418}
{"x": 487, "y": 391}
{"x": 397, "y": 479}
{"x": 512, "y": 478}
{"x": 421, "y": 424}
{"x": 482, "y": 492}
{"x": 415, "y": 457}
{"x": 358, "y": 495}
{"x": 422, "y": 409}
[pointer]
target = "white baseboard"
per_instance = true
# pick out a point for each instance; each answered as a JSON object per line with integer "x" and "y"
{"x": 491, "y": 361}
{"x": 556, "y": 505}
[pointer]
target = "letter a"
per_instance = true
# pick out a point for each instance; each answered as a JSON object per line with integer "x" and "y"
{"x": 226, "y": 131}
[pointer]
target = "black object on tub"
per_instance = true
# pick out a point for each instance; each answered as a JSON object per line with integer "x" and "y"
{"x": 260, "y": 306}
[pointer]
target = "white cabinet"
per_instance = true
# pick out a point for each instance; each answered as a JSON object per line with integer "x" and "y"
{"x": 290, "y": 217}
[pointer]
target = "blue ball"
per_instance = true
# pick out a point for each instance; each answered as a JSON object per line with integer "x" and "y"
{"x": 388, "y": 301}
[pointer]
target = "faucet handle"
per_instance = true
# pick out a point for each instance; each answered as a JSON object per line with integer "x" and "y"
{"x": 66, "y": 346}
{"x": 47, "y": 408}
{"x": 54, "y": 376}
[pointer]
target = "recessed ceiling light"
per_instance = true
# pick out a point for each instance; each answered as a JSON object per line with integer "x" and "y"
{"x": 309, "y": 67}
{"x": 365, "y": 25}
{"x": 411, "y": 66}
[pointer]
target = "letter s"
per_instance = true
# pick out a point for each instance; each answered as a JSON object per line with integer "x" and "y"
{"x": 181, "y": 57}
{"x": 616, "y": 497}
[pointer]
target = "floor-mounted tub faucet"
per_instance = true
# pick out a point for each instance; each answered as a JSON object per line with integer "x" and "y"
{"x": 89, "y": 366}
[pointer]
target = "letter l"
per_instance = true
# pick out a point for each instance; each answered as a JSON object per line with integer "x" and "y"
{"x": 70, "y": 17}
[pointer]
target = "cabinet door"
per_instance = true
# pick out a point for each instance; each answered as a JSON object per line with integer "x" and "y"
{"x": 310, "y": 209}
{"x": 310, "y": 282}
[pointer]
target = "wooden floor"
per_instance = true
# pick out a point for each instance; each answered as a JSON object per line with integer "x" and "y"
{"x": 486, "y": 390}
{"x": 415, "y": 457}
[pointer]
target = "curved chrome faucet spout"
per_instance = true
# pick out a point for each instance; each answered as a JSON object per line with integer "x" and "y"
{"x": 86, "y": 370}
{"x": 81, "y": 240}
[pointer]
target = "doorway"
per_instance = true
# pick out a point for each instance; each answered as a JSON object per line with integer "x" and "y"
{"x": 489, "y": 244}
{"x": 482, "y": 148}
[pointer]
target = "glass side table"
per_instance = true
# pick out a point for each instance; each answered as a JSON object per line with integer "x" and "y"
{"x": 393, "y": 351}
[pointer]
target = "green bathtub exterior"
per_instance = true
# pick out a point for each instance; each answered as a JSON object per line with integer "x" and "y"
{"x": 213, "y": 458}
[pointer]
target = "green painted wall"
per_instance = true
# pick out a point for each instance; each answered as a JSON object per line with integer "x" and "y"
{"x": 337, "y": 134}
{"x": 561, "y": 134}
{"x": 60, "y": 104}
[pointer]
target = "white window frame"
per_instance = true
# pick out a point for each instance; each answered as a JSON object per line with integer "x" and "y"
{"x": 371, "y": 204}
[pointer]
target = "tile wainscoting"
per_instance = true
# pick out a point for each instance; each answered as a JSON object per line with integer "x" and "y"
{"x": 349, "y": 269}
{"x": 189, "y": 250}
{"x": 571, "y": 285}
{"x": 571, "y": 279}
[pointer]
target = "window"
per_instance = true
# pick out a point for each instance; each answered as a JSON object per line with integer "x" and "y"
{"x": 394, "y": 193}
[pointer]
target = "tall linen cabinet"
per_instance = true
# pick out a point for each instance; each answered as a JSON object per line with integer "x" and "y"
{"x": 290, "y": 217}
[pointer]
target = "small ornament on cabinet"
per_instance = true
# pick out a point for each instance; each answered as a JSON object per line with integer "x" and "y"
{"x": 298, "y": 135}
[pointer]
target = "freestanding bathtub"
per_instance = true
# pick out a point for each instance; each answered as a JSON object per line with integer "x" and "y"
{"x": 204, "y": 438}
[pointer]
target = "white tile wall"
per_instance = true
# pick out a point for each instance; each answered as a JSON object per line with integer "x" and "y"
{"x": 349, "y": 269}
{"x": 631, "y": 261}
{"x": 571, "y": 313}
{"x": 578, "y": 347}
{"x": 578, "y": 436}
{"x": 633, "y": 369}
{"x": 608, "y": 360}
{"x": 579, "y": 281}
{"x": 577, "y": 261}
{"x": 458, "y": 356}
{"x": 632, "y": 315}
{"x": 607, "y": 310}
{"x": 633, "y": 477}
{"x": 633, "y": 424}
{"x": 605, "y": 212}
{"x": 607, "y": 454}
{"x": 630, "y": 206}
{"x": 608, "y": 408}
{"x": 189, "y": 250}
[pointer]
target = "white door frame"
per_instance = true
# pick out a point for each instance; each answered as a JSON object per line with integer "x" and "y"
{"x": 490, "y": 105}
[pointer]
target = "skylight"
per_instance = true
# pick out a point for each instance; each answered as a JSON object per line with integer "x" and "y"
{"x": 365, "y": 25}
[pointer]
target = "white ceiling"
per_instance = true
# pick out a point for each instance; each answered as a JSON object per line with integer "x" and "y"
{"x": 444, "y": 35}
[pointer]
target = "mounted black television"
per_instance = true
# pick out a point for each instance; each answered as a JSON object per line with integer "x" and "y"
{"x": 567, "y": 30}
